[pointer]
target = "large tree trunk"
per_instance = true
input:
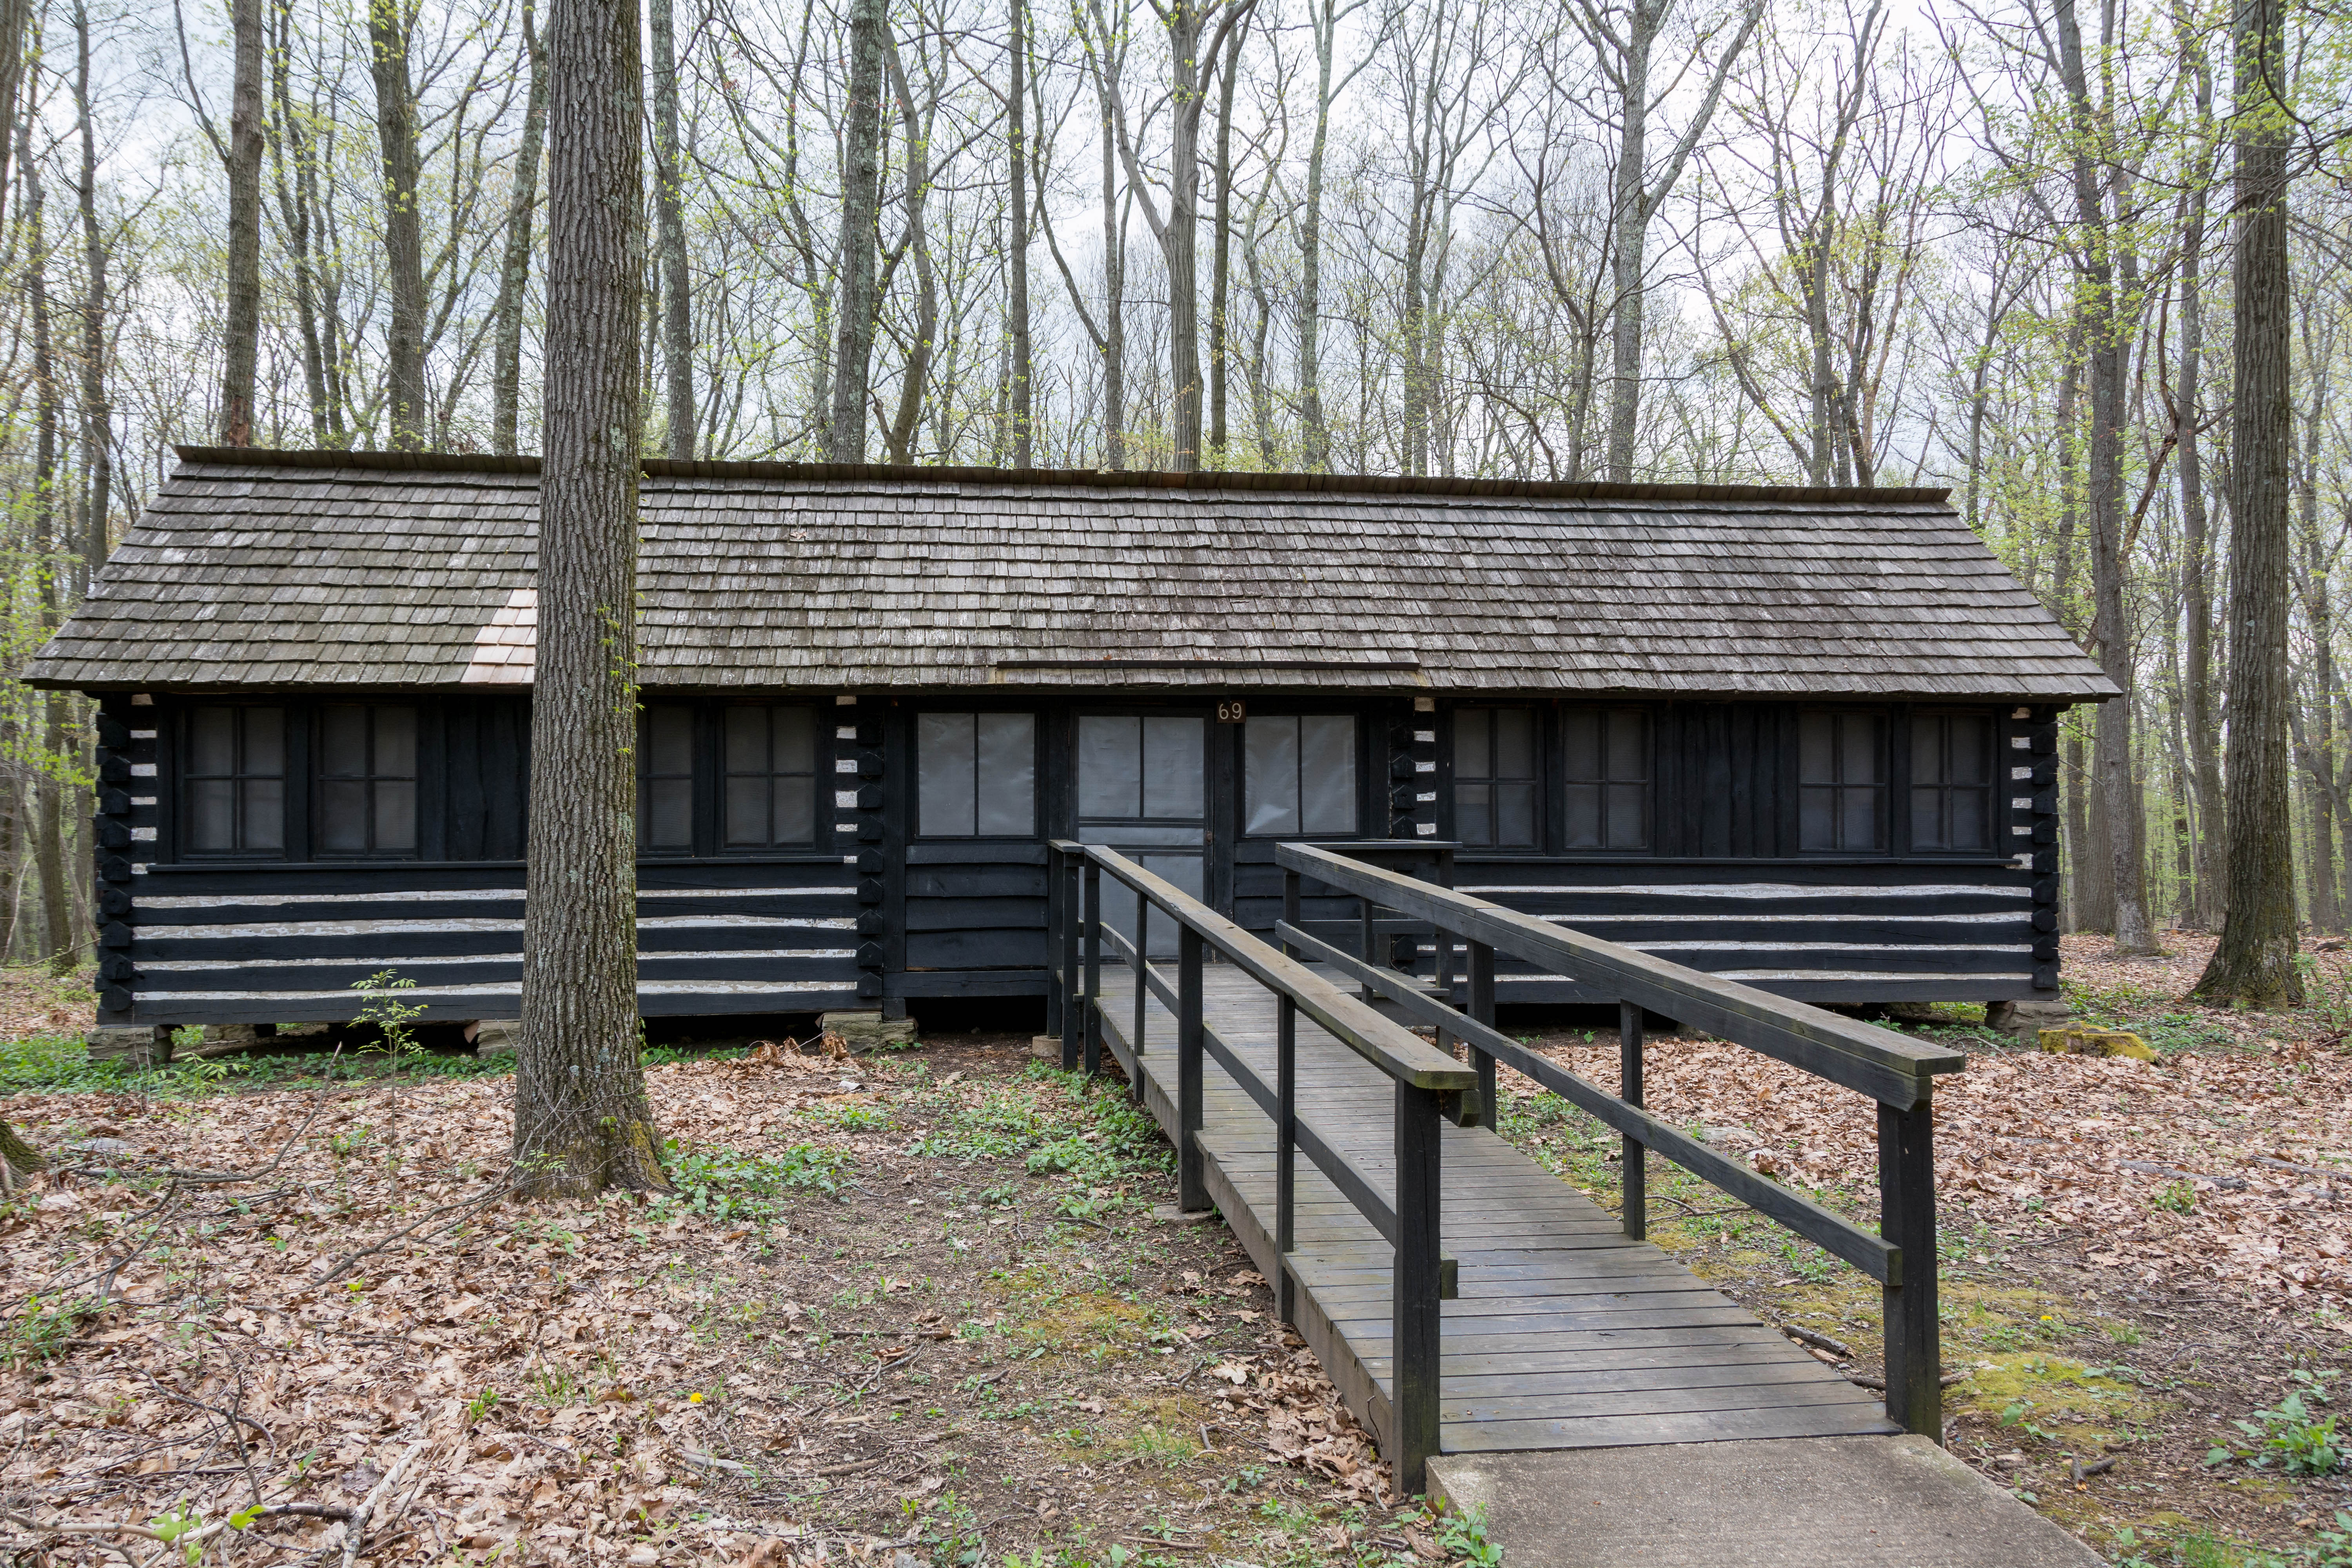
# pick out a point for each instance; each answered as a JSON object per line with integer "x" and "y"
{"x": 241, "y": 330}
{"x": 1180, "y": 238}
{"x": 290, "y": 144}
{"x": 581, "y": 1122}
{"x": 1016, "y": 174}
{"x": 514, "y": 270}
{"x": 404, "y": 226}
{"x": 97, "y": 415}
{"x": 48, "y": 540}
{"x": 669, "y": 206}
{"x": 854, "y": 328}
{"x": 1114, "y": 349}
{"x": 912, "y": 383}
{"x": 18, "y": 1159}
{"x": 2254, "y": 963}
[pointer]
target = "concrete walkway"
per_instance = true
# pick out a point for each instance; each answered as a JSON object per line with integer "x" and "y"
{"x": 1802, "y": 1502}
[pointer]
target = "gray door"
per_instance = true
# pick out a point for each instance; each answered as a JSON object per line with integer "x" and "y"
{"x": 1143, "y": 791}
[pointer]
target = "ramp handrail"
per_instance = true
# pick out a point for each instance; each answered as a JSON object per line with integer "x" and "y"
{"x": 1898, "y": 1073}
{"x": 1429, "y": 1083}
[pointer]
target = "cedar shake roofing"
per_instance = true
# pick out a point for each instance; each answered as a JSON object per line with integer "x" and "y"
{"x": 341, "y": 570}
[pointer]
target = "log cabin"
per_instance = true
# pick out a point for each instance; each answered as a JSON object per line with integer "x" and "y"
{"x": 1803, "y": 738}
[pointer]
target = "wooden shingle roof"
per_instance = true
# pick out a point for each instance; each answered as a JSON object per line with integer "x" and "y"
{"x": 338, "y": 570}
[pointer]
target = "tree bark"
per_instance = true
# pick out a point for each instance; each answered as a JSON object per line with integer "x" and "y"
{"x": 290, "y": 144}
{"x": 581, "y": 1122}
{"x": 241, "y": 329}
{"x": 96, "y": 415}
{"x": 20, "y": 1159}
{"x": 1016, "y": 171}
{"x": 669, "y": 208}
{"x": 854, "y": 327}
{"x": 403, "y": 230}
{"x": 912, "y": 383}
{"x": 514, "y": 269}
{"x": 2253, "y": 964}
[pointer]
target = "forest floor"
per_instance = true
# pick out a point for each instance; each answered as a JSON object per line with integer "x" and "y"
{"x": 928, "y": 1308}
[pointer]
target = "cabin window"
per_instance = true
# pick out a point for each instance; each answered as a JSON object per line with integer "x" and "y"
{"x": 1951, "y": 781}
{"x": 1842, "y": 781}
{"x": 367, "y": 779}
{"x": 1494, "y": 786}
{"x": 976, "y": 775}
{"x": 236, "y": 779}
{"x": 1300, "y": 772}
{"x": 1605, "y": 778}
{"x": 769, "y": 795}
{"x": 666, "y": 779}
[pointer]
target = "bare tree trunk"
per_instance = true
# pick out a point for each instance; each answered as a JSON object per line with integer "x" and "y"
{"x": 900, "y": 435}
{"x": 289, "y": 144}
{"x": 241, "y": 330}
{"x": 581, "y": 1122}
{"x": 1314, "y": 430}
{"x": 1016, "y": 170}
{"x": 56, "y": 905}
{"x": 853, "y": 329}
{"x": 2254, "y": 963}
{"x": 1221, "y": 271}
{"x": 2202, "y": 733}
{"x": 97, "y": 415}
{"x": 677, "y": 326}
{"x": 1114, "y": 350}
{"x": 514, "y": 270}
{"x": 18, "y": 1159}
{"x": 403, "y": 230}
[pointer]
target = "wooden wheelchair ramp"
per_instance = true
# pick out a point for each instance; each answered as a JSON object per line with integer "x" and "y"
{"x": 1565, "y": 1334}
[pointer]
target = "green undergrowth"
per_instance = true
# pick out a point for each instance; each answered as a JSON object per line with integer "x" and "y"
{"x": 725, "y": 1186}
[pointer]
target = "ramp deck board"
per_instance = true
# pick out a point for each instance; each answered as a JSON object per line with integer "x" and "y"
{"x": 1566, "y": 1334}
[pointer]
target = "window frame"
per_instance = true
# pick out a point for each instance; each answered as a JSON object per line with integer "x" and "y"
{"x": 292, "y": 732}
{"x": 1991, "y": 789}
{"x": 1888, "y": 755}
{"x": 715, "y": 753}
{"x": 917, "y": 832}
{"x": 1539, "y": 761}
{"x": 314, "y": 734}
{"x": 1567, "y": 781}
{"x": 1359, "y": 756}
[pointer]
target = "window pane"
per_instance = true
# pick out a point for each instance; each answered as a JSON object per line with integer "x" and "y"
{"x": 670, "y": 746}
{"x": 1270, "y": 772}
{"x": 343, "y": 817}
{"x": 1473, "y": 738}
{"x": 1629, "y": 746}
{"x": 395, "y": 743}
{"x": 1583, "y": 802}
{"x": 1327, "y": 769}
{"x": 212, "y": 815}
{"x": 1007, "y": 806}
{"x": 1927, "y": 818}
{"x": 1174, "y": 754}
{"x": 1815, "y": 830}
{"x": 342, "y": 740}
{"x": 1580, "y": 727}
{"x": 1858, "y": 748}
{"x": 1857, "y": 819}
{"x": 1514, "y": 815}
{"x": 747, "y": 811}
{"x": 670, "y": 814}
{"x": 1515, "y": 744}
{"x": 1816, "y": 759}
{"x": 264, "y": 814}
{"x": 944, "y": 775}
{"x": 747, "y": 740}
{"x": 211, "y": 741}
{"x": 1110, "y": 766}
{"x": 792, "y": 740}
{"x": 1629, "y": 812}
{"x": 264, "y": 743}
{"x": 793, "y": 804}
{"x": 396, "y": 815}
{"x": 1474, "y": 813}
{"x": 1927, "y": 752}
{"x": 1970, "y": 748}
{"x": 1970, "y": 830}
